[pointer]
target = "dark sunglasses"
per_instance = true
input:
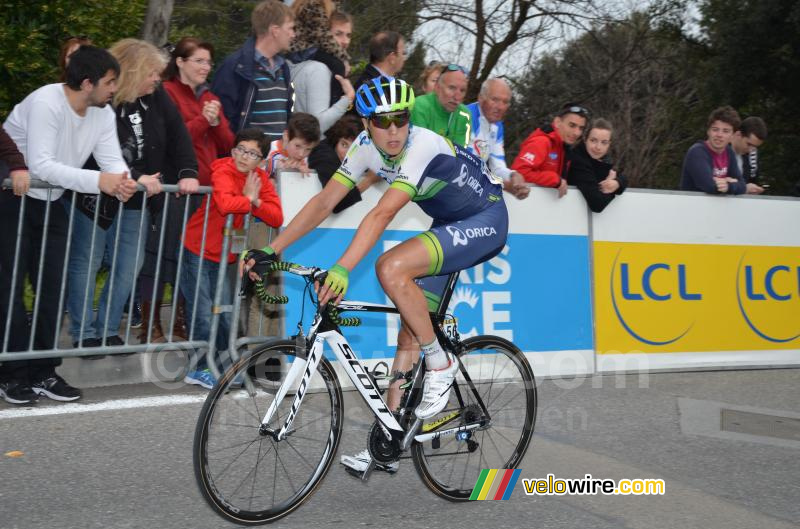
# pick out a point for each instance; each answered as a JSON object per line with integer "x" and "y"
{"x": 384, "y": 121}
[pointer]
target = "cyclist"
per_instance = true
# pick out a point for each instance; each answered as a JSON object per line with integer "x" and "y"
{"x": 450, "y": 184}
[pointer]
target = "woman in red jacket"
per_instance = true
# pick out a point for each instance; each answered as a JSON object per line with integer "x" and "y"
{"x": 240, "y": 187}
{"x": 185, "y": 81}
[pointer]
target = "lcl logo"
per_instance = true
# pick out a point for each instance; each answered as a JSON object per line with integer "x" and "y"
{"x": 636, "y": 285}
{"x": 760, "y": 290}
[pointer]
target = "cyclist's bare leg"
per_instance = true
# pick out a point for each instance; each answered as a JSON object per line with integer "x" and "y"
{"x": 406, "y": 356}
{"x": 397, "y": 270}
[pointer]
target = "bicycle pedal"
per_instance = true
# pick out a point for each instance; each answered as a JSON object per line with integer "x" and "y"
{"x": 366, "y": 474}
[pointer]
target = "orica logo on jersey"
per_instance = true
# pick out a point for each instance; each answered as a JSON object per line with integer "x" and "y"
{"x": 464, "y": 178}
{"x": 553, "y": 156}
{"x": 462, "y": 237}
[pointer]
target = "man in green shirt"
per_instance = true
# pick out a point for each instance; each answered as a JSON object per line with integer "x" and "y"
{"x": 442, "y": 110}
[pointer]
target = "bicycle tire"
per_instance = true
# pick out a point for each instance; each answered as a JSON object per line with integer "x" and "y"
{"x": 228, "y": 436}
{"x": 452, "y": 469}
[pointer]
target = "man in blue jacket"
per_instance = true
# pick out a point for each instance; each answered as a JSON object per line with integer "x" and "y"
{"x": 253, "y": 83}
{"x": 711, "y": 165}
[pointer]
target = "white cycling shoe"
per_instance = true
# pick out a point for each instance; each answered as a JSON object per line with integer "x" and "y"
{"x": 436, "y": 389}
{"x": 359, "y": 463}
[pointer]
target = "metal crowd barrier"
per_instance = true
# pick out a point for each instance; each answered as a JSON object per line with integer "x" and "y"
{"x": 234, "y": 240}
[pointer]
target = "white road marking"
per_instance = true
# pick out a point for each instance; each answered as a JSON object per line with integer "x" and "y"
{"x": 119, "y": 404}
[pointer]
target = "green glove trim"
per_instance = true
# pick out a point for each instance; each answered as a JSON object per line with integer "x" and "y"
{"x": 337, "y": 279}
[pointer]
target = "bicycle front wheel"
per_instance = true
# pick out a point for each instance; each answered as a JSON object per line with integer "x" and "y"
{"x": 493, "y": 400}
{"x": 246, "y": 475}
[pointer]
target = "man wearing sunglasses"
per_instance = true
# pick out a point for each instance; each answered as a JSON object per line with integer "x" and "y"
{"x": 442, "y": 110}
{"x": 542, "y": 158}
{"x": 451, "y": 185}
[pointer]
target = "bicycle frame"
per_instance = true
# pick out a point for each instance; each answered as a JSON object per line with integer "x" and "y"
{"x": 322, "y": 330}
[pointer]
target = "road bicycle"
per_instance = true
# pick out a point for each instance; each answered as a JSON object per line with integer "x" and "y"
{"x": 270, "y": 428}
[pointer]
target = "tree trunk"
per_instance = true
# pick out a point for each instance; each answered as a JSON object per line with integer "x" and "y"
{"x": 156, "y": 22}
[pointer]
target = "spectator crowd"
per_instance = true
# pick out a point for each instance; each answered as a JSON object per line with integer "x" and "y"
{"x": 124, "y": 122}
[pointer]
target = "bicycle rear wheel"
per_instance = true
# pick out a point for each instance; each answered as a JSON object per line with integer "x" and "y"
{"x": 495, "y": 388}
{"x": 245, "y": 474}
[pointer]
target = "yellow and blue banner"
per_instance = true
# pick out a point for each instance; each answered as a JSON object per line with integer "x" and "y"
{"x": 665, "y": 297}
{"x": 495, "y": 484}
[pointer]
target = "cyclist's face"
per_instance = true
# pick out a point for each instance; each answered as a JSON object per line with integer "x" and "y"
{"x": 392, "y": 141}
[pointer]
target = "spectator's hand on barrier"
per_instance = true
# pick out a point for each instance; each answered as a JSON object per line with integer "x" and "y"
{"x": 211, "y": 110}
{"x": 612, "y": 175}
{"x": 152, "y": 183}
{"x": 754, "y": 189}
{"x": 609, "y": 185}
{"x": 117, "y": 185}
{"x": 126, "y": 188}
{"x": 252, "y": 187}
{"x": 21, "y": 181}
{"x": 334, "y": 286}
{"x": 562, "y": 188}
{"x": 347, "y": 87}
{"x": 301, "y": 166}
{"x": 188, "y": 186}
{"x": 519, "y": 188}
{"x": 722, "y": 184}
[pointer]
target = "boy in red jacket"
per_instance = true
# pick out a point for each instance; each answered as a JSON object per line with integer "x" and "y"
{"x": 542, "y": 156}
{"x": 240, "y": 187}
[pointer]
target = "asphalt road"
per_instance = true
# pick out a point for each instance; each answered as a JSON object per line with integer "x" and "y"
{"x": 112, "y": 462}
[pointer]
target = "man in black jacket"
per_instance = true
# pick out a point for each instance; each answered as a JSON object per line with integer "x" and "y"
{"x": 387, "y": 56}
{"x": 745, "y": 143}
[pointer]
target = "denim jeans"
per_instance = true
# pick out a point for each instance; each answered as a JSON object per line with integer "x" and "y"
{"x": 190, "y": 274}
{"x": 82, "y": 271}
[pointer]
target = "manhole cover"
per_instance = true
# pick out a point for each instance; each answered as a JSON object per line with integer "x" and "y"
{"x": 760, "y": 424}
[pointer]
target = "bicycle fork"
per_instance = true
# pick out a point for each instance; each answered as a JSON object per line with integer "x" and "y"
{"x": 307, "y": 369}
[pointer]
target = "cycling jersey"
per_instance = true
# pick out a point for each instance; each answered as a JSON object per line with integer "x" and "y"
{"x": 449, "y": 183}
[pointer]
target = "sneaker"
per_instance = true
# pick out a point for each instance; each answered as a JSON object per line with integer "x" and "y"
{"x": 358, "y": 463}
{"x": 89, "y": 342}
{"x": 56, "y": 388}
{"x": 15, "y": 393}
{"x": 113, "y": 341}
{"x": 136, "y": 317}
{"x": 202, "y": 378}
{"x": 436, "y": 389}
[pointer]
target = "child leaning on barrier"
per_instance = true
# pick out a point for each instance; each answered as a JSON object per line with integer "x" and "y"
{"x": 240, "y": 187}
{"x": 291, "y": 152}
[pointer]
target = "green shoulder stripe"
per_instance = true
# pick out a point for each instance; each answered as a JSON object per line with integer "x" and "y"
{"x": 403, "y": 186}
{"x": 342, "y": 179}
{"x": 431, "y": 191}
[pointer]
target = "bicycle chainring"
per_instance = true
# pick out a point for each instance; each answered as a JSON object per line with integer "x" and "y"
{"x": 381, "y": 449}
